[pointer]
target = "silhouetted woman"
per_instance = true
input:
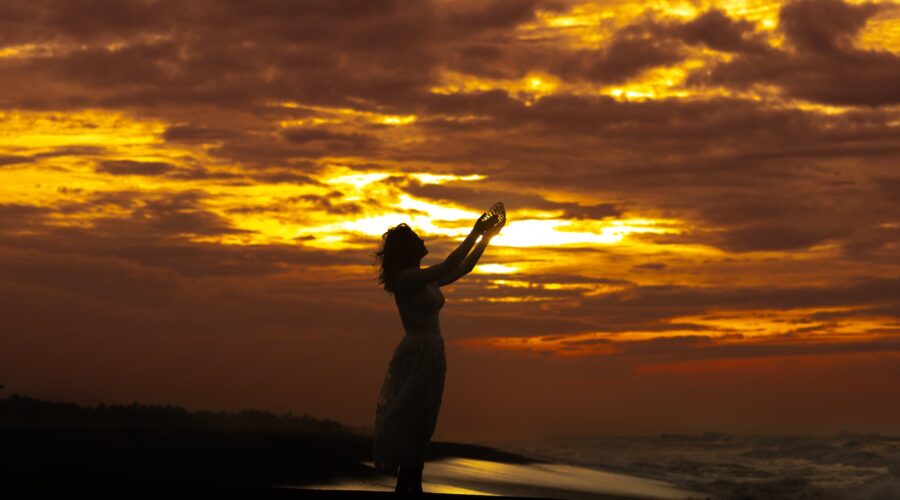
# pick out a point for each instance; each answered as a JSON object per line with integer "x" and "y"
{"x": 410, "y": 396}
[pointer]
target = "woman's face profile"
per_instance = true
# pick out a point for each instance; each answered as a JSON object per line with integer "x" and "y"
{"x": 421, "y": 244}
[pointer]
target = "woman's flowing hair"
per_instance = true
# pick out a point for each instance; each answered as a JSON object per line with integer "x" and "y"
{"x": 395, "y": 253}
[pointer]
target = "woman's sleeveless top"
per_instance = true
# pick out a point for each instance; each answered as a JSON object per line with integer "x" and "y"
{"x": 419, "y": 309}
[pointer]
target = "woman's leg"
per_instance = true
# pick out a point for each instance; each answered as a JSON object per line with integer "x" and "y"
{"x": 417, "y": 478}
{"x": 404, "y": 479}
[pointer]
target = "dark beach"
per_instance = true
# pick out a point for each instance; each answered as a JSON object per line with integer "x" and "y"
{"x": 157, "y": 461}
{"x": 62, "y": 463}
{"x": 64, "y": 450}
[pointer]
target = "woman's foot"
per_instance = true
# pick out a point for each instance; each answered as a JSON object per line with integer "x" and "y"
{"x": 416, "y": 486}
{"x": 405, "y": 480}
{"x": 402, "y": 492}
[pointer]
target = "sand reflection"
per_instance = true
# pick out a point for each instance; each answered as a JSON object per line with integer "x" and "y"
{"x": 482, "y": 477}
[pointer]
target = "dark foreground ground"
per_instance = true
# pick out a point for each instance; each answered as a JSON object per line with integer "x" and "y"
{"x": 221, "y": 492}
{"x": 166, "y": 464}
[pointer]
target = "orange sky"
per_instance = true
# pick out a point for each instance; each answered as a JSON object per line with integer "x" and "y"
{"x": 704, "y": 207}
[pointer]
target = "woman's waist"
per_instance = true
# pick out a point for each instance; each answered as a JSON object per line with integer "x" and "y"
{"x": 422, "y": 330}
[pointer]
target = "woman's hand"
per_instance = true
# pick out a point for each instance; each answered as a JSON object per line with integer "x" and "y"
{"x": 484, "y": 223}
{"x": 490, "y": 233}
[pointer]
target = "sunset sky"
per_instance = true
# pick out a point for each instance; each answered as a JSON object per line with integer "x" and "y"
{"x": 703, "y": 201}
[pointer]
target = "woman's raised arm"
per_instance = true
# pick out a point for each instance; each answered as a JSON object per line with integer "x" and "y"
{"x": 469, "y": 263}
{"x": 417, "y": 277}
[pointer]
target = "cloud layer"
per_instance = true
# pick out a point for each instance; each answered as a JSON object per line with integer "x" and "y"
{"x": 699, "y": 195}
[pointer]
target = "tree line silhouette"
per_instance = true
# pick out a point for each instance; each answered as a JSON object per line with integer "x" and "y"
{"x": 23, "y": 412}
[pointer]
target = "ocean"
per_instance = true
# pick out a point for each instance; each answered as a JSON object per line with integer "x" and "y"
{"x": 846, "y": 466}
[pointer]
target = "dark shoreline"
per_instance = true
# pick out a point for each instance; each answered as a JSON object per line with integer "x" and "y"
{"x": 135, "y": 460}
{"x": 60, "y": 449}
{"x": 53, "y": 449}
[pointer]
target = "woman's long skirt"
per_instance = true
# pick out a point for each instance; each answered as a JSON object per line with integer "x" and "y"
{"x": 409, "y": 401}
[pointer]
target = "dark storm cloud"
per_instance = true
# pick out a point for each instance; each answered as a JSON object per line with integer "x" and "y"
{"x": 674, "y": 124}
{"x": 333, "y": 203}
{"x": 577, "y": 211}
{"x": 199, "y": 134}
{"x": 342, "y": 54}
{"x": 646, "y": 43}
{"x": 56, "y": 152}
{"x": 750, "y": 133}
{"x": 849, "y": 78}
{"x": 153, "y": 215}
{"x": 650, "y": 266}
{"x": 480, "y": 198}
{"x": 91, "y": 20}
{"x": 284, "y": 176}
{"x": 717, "y": 31}
{"x": 639, "y": 305}
{"x": 874, "y": 242}
{"x": 102, "y": 68}
{"x": 14, "y": 160}
{"x": 629, "y": 52}
{"x": 775, "y": 235}
{"x": 202, "y": 173}
{"x": 823, "y": 65}
{"x": 73, "y": 151}
{"x": 763, "y": 177}
{"x": 484, "y": 16}
{"x": 197, "y": 260}
{"x": 771, "y": 221}
{"x": 130, "y": 167}
{"x": 667, "y": 123}
{"x": 15, "y": 217}
{"x": 824, "y": 25}
{"x": 178, "y": 213}
{"x": 330, "y": 142}
{"x": 152, "y": 235}
{"x": 268, "y": 157}
{"x": 700, "y": 347}
{"x": 629, "y": 307}
{"x": 627, "y": 55}
{"x": 394, "y": 49}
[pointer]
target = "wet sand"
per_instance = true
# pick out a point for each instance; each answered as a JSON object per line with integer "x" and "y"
{"x": 469, "y": 476}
